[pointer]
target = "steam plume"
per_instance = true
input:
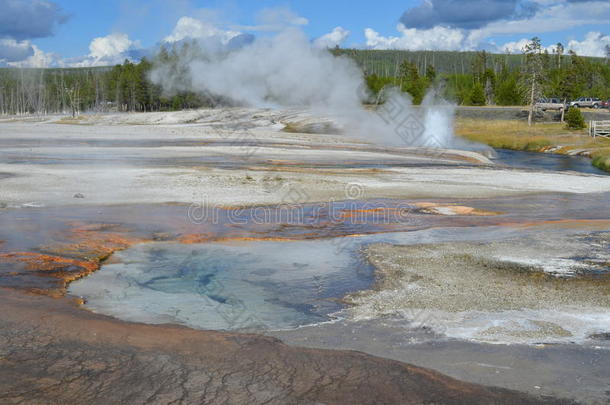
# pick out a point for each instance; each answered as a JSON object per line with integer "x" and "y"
{"x": 286, "y": 70}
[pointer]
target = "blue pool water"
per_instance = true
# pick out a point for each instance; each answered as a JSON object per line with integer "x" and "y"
{"x": 546, "y": 161}
{"x": 244, "y": 286}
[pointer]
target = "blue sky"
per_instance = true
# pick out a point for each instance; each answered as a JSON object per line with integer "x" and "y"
{"x": 149, "y": 21}
{"x": 61, "y": 32}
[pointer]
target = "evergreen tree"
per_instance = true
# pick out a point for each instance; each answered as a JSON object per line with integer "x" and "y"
{"x": 508, "y": 92}
{"x": 412, "y": 83}
{"x": 575, "y": 119}
{"x": 477, "y": 95}
{"x": 430, "y": 73}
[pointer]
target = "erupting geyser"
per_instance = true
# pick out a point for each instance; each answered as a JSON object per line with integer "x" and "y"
{"x": 288, "y": 71}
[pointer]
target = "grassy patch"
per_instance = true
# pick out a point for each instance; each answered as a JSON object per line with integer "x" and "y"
{"x": 601, "y": 159}
{"x": 517, "y": 135}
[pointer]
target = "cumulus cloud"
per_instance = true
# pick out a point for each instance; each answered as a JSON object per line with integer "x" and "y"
{"x": 29, "y": 19}
{"x": 465, "y": 13}
{"x": 435, "y": 38}
{"x": 103, "y": 51}
{"x": 594, "y": 44}
{"x": 109, "y": 50}
{"x": 38, "y": 59}
{"x": 191, "y": 28}
{"x": 12, "y": 50}
{"x": 334, "y": 38}
{"x": 111, "y": 46}
{"x": 514, "y": 46}
{"x": 519, "y": 46}
{"x": 21, "y": 21}
{"x": 555, "y": 16}
{"x": 470, "y": 24}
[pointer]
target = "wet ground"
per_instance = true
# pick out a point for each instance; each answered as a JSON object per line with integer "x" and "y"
{"x": 319, "y": 240}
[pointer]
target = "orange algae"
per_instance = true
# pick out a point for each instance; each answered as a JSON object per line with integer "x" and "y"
{"x": 81, "y": 252}
{"x": 360, "y": 213}
{"x": 47, "y": 263}
{"x": 92, "y": 241}
{"x": 63, "y": 269}
{"x": 195, "y": 239}
{"x": 439, "y": 209}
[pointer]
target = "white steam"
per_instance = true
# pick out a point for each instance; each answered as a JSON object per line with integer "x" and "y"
{"x": 287, "y": 70}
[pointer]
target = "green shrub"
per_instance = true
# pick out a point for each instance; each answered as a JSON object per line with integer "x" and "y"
{"x": 477, "y": 96}
{"x": 575, "y": 119}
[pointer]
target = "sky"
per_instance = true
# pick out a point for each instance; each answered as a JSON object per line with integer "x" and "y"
{"x": 45, "y": 33}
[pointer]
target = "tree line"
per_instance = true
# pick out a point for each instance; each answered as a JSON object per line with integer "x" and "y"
{"x": 467, "y": 78}
{"x": 498, "y": 80}
{"x": 123, "y": 88}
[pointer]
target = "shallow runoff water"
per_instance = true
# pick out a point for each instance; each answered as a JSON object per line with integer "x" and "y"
{"x": 546, "y": 161}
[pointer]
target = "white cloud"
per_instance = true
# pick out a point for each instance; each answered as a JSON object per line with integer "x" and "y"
{"x": 111, "y": 46}
{"x": 12, "y": 50}
{"x": 191, "y": 28}
{"x": 103, "y": 51}
{"x": 594, "y": 44}
{"x": 39, "y": 59}
{"x": 420, "y": 39}
{"x": 515, "y": 46}
{"x": 334, "y": 38}
{"x": 552, "y": 16}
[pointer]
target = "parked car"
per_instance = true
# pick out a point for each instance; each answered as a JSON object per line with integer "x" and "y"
{"x": 586, "y": 102}
{"x": 550, "y": 104}
{"x": 606, "y": 104}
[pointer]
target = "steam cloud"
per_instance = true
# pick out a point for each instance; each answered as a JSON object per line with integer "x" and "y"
{"x": 287, "y": 70}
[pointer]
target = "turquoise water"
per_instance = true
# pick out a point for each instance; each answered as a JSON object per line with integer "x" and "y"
{"x": 244, "y": 286}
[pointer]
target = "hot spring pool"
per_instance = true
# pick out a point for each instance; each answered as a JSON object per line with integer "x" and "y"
{"x": 220, "y": 286}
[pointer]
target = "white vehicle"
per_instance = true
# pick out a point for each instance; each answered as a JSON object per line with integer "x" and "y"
{"x": 586, "y": 102}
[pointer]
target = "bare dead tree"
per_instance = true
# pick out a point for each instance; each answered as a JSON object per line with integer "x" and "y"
{"x": 559, "y": 50}
{"x": 532, "y": 73}
{"x": 73, "y": 98}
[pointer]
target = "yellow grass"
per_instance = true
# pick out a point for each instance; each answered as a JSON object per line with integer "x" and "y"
{"x": 69, "y": 120}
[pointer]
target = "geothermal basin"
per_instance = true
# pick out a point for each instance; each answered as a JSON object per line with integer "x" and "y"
{"x": 137, "y": 235}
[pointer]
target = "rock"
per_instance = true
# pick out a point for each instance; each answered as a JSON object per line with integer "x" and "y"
{"x": 600, "y": 336}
